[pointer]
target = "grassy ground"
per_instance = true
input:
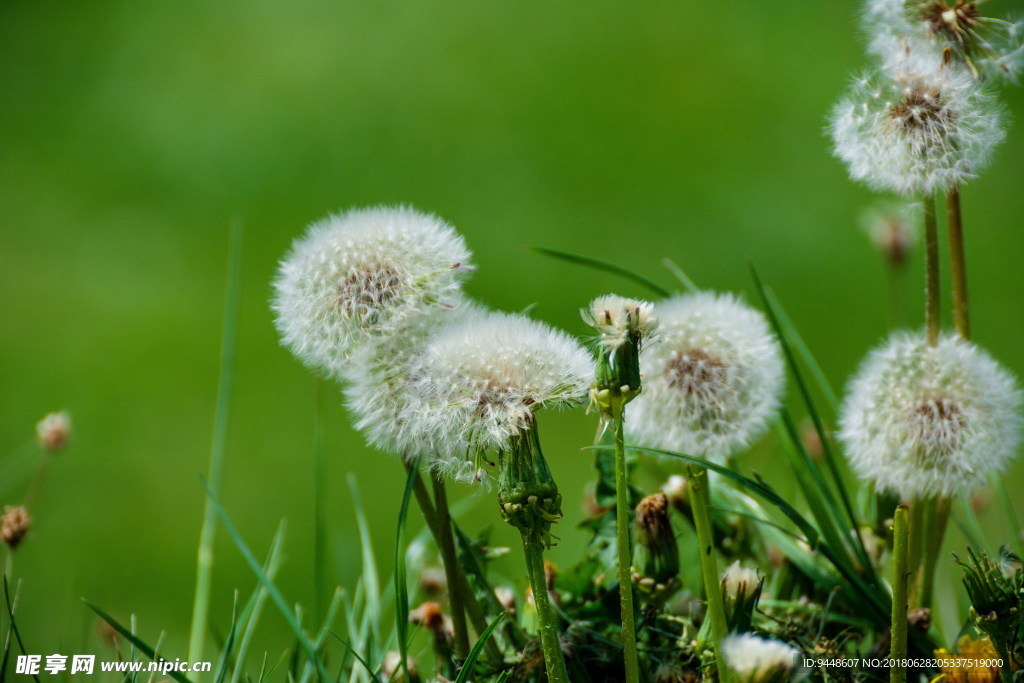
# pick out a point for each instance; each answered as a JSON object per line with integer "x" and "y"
{"x": 133, "y": 132}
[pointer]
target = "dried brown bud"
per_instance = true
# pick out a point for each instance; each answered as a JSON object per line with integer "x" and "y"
{"x": 14, "y": 525}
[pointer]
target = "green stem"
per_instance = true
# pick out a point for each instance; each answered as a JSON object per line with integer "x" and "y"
{"x": 700, "y": 500}
{"x": 936, "y": 519}
{"x": 549, "y": 638}
{"x": 958, "y": 264}
{"x": 915, "y": 546}
{"x": 932, "y": 294}
{"x": 623, "y": 519}
{"x": 476, "y": 612}
{"x": 204, "y": 555}
{"x": 446, "y": 544}
{"x": 901, "y": 560}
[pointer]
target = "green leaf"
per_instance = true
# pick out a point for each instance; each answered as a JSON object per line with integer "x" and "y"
{"x": 12, "y": 628}
{"x": 605, "y": 266}
{"x": 683, "y": 278}
{"x": 467, "y": 668}
{"x": 133, "y": 639}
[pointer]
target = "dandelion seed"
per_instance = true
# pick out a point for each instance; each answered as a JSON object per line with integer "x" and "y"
{"x": 363, "y": 274}
{"x": 711, "y": 381}
{"x": 54, "y": 432}
{"x": 919, "y": 127}
{"x": 759, "y": 660}
{"x": 987, "y": 47}
{"x": 484, "y": 376}
{"x": 924, "y": 421}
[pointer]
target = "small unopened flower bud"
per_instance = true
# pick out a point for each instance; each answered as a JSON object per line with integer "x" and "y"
{"x": 507, "y": 597}
{"x": 677, "y": 493}
{"x": 54, "y": 432}
{"x": 392, "y": 669}
{"x": 14, "y": 525}
{"x": 623, "y": 326}
{"x": 430, "y": 616}
{"x": 528, "y": 497}
{"x": 741, "y": 589}
{"x": 656, "y": 557}
{"x": 892, "y": 228}
{"x": 432, "y": 581}
{"x": 758, "y": 660}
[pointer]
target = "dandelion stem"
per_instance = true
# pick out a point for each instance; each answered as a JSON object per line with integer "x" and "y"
{"x": 623, "y": 518}
{"x": 446, "y": 544}
{"x": 549, "y": 638}
{"x": 932, "y": 294}
{"x": 901, "y": 559}
{"x": 936, "y": 517}
{"x": 476, "y": 612}
{"x": 700, "y": 499}
{"x": 958, "y": 264}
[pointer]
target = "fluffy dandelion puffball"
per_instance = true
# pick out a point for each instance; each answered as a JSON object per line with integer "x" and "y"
{"x": 712, "y": 378}
{"x": 986, "y": 46}
{"x": 363, "y": 274}
{"x": 917, "y": 127}
{"x": 616, "y": 317}
{"x": 759, "y": 660}
{"x": 380, "y": 393}
{"x": 930, "y": 421}
{"x": 484, "y": 376}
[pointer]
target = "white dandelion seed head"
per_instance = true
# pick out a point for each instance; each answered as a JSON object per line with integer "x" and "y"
{"x": 712, "y": 378}
{"x": 485, "y": 375}
{"x": 986, "y": 47}
{"x": 379, "y": 391}
{"x": 739, "y": 583}
{"x": 930, "y": 421}
{"x": 615, "y": 317}
{"x": 363, "y": 274}
{"x": 917, "y": 127}
{"x": 759, "y": 660}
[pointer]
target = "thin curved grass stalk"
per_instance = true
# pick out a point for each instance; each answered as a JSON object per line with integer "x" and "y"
{"x": 958, "y": 264}
{"x": 207, "y": 537}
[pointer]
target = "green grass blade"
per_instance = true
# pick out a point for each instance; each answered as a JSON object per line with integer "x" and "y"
{"x": 252, "y": 614}
{"x": 683, "y": 278}
{"x": 355, "y": 653}
{"x": 805, "y": 353}
{"x": 401, "y": 585}
{"x": 229, "y": 343}
{"x": 370, "y": 577}
{"x": 137, "y": 643}
{"x": 272, "y": 589}
{"x": 225, "y": 655}
{"x": 13, "y": 627}
{"x": 467, "y": 668}
{"x": 819, "y": 425}
{"x": 605, "y": 266}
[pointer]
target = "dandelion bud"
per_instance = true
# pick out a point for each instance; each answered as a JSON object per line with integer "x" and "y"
{"x": 364, "y": 274}
{"x": 712, "y": 380}
{"x": 922, "y": 421}
{"x": 741, "y": 589}
{"x": 656, "y": 556}
{"x": 758, "y": 660}
{"x": 54, "y": 432}
{"x": 528, "y": 497}
{"x": 433, "y": 581}
{"x": 995, "y": 598}
{"x": 623, "y": 325}
{"x": 14, "y": 525}
{"x": 892, "y": 228}
{"x": 430, "y": 616}
{"x": 676, "y": 490}
{"x": 507, "y": 598}
{"x": 392, "y": 668}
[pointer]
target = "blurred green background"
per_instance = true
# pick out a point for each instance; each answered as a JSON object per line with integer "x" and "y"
{"x": 134, "y": 132}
